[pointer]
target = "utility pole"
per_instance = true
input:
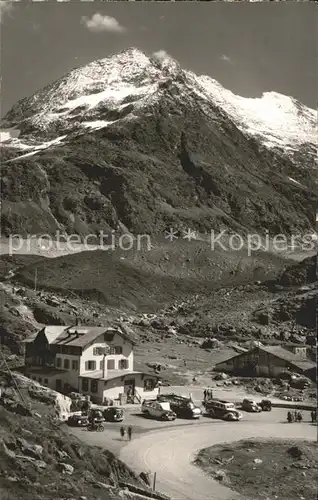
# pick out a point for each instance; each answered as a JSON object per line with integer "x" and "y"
{"x": 35, "y": 278}
{"x": 154, "y": 481}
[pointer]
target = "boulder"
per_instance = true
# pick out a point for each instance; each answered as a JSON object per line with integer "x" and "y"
{"x": 220, "y": 475}
{"x": 66, "y": 468}
{"x": 40, "y": 464}
{"x": 33, "y": 450}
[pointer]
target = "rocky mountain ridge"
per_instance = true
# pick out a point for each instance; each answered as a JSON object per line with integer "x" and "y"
{"x": 141, "y": 142}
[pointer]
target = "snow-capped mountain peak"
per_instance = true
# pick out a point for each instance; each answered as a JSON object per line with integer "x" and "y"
{"x": 84, "y": 99}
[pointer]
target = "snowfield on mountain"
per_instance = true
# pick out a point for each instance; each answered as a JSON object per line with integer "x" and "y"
{"x": 169, "y": 149}
{"x": 277, "y": 120}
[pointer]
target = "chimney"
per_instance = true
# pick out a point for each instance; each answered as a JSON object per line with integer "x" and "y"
{"x": 104, "y": 367}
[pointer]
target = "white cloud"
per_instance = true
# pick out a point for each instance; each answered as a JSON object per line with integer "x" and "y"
{"x": 161, "y": 55}
{"x": 5, "y": 8}
{"x": 226, "y": 58}
{"x": 99, "y": 23}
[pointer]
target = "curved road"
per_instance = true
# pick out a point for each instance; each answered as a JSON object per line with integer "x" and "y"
{"x": 170, "y": 453}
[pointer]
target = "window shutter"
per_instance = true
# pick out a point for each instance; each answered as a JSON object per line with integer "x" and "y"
{"x": 86, "y": 365}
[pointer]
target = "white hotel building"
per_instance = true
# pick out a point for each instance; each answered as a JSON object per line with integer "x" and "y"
{"x": 94, "y": 361}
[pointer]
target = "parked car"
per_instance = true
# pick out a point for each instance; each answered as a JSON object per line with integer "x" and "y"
{"x": 224, "y": 410}
{"x": 146, "y": 403}
{"x": 182, "y": 407}
{"x": 95, "y": 414}
{"x": 266, "y": 405}
{"x": 158, "y": 409}
{"x": 77, "y": 421}
{"x": 251, "y": 406}
{"x": 113, "y": 414}
{"x": 186, "y": 409}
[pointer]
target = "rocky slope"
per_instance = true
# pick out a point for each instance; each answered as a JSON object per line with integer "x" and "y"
{"x": 137, "y": 142}
{"x": 41, "y": 460}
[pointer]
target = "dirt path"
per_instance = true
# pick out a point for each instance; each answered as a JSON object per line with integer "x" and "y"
{"x": 170, "y": 453}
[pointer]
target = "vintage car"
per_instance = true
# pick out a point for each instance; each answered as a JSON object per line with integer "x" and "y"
{"x": 224, "y": 410}
{"x": 251, "y": 406}
{"x": 266, "y": 405}
{"x": 113, "y": 414}
{"x": 77, "y": 421}
{"x": 181, "y": 406}
{"x": 158, "y": 409}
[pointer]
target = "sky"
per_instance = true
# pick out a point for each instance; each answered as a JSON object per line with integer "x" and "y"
{"x": 250, "y": 48}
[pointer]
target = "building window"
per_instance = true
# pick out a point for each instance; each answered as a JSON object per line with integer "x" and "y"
{"x": 101, "y": 364}
{"x": 149, "y": 384}
{"x": 74, "y": 365}
{"x": 94, "y": 386}
{"x": 90, "y": 365}
{"x": 110, "y": 364}
{"x": 117, "y": 349}
{"x": 58, "y": 362}
{"x": 123, "y": 364}
{"x": 66, "y": 364}
{"x": 40, "y": 380}
{"x": 85, "y": 385}
{"x": 98, "y": 351}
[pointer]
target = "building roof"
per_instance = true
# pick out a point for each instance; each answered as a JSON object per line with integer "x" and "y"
{"x": 52, "y": 332}
{"x": 279, "y": 352}
{"x": 294, "y": 344}
{"x": 80, "y": 336}
{"x": 98, "y": 374}
{"x": 46, "y": 370}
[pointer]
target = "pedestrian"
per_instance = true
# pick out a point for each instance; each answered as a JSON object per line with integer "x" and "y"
{"x": 312, "y": 415}
{"x": 129, "y": 432}
{"x": 289, "y": 417}
{"x": 122, "y": 432}
{"x": 295, "y": 415}
{"x": 205, "y": 394}
{"x": 299, "y": 417}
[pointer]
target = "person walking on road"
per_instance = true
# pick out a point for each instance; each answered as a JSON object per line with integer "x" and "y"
{"x": 205, "y": 395}
{"x": 129, "y": 432}
{"x": 122, "y": 432}
{"x": 289, "y": 417}
{"x": 299, "y": 417}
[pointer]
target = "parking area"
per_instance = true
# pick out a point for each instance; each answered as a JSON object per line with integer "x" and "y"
{"x": 110, "y": 438}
